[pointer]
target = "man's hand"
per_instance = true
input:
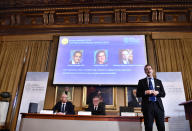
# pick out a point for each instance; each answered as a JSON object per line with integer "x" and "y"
{"x": 155, "y": 93}
{"x": 60, "y": 113}
{"x": 148, "y": 92}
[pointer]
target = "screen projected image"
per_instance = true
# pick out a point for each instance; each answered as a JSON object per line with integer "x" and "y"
{"x": 101, "y": 57}
{"x": 76, "y": 57}
{"x": 126, "y": 56}
{"x": 100, "y": 60}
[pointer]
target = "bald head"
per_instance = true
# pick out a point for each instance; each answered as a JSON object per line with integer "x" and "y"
{"x": 64, "y": 98}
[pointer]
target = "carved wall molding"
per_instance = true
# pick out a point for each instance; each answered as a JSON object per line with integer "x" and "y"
{"x": 35, "y": 3}
{"x": 147, "y": 17}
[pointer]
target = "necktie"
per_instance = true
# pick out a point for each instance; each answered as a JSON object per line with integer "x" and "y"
{"x": 151, "y": 98}
{"x": 63, "y": 108}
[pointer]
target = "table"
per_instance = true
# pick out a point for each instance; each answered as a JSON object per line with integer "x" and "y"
{"x": 52, "y": 122}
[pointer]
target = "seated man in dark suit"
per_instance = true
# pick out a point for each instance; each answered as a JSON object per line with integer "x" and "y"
{"x": 97, "y": 107}
{"x": 64, "y": 106}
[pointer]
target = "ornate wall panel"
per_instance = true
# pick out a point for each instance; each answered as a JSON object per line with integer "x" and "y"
{"x": 42, "y": 16}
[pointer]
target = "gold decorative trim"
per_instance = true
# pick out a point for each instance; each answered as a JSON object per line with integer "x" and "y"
{"x": 55, "y": 95}
{"x": 180, "y": 5}
{"x": 126, "y": 96}
{"x": 84, "y": 100}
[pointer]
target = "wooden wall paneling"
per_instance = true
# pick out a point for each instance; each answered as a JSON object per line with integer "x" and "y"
{"x": 141, "y": 16}
{"x": 51, "y": 89}
{"x": 87, "y": 16}
{"x": 117, "y": 16}
{"x": 41, "y": 3}
{"x": 176, "y": 15}
{"x": 123, "y": 16}
{"x": 12, "y": 57}
{"x": 36, "y": 59}
{"x": 80, "y": 17}
{"x": 104, "y": 16}
{"x": 173, "y": 56}
{"x": 190, "y": 15}
{"x": 187, "y": 61}
{"x": 151, "y": 54}
{"x": 171, "y": 35}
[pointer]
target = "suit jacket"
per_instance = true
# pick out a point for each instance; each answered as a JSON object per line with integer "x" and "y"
{"x": 99, "y": 111}
{"x": 69, "y": 108}
{"x": 143, "y": 86}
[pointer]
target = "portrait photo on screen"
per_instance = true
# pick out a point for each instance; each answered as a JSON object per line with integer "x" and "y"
{"x": 126, "y": 56}
{"x": 100, "y": 60}
{"x": 76, "y": 57}
{"x": 101, "y": 57}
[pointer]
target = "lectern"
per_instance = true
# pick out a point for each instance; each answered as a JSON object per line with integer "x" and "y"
{"x": 188, "y": 109}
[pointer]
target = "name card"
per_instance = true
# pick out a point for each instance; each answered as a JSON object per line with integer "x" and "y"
{"x": 128, "y": 114}
{"x": 84, "y": 113}
{"x": 46, "y": 112}
{"x": 140, "y": 114}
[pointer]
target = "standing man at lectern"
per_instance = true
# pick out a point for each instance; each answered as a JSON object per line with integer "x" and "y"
{"x": 151, "y": 90}
{"x": 64, "y": 106}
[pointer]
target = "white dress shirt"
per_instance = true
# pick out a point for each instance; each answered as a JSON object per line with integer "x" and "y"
{"x": 125, "y": 62}
{"x": 95, "y": 108}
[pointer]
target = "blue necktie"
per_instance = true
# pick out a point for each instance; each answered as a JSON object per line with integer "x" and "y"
{"x": 151, "y": 98}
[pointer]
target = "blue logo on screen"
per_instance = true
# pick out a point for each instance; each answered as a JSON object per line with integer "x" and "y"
{"x": 131, "y": 40}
